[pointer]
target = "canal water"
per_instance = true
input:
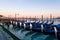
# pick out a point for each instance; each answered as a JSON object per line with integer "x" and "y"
{"x": 30, "y": 35}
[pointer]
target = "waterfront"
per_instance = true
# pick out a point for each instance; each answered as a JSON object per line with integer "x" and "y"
{"x": 24, "y": 34}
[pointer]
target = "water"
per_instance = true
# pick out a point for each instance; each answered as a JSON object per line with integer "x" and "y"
{"x": 30, "y": 35}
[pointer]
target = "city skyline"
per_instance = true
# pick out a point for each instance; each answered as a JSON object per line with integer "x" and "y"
{"x": 30, "y": 8}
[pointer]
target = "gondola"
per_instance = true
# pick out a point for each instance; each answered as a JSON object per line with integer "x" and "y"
{"x": 52, "y": 29}
{"x": 27, "y": 25}
{"x": 35, "y": 26}
{"x": 49, "y": 28}
{"x": 20, "y": 24}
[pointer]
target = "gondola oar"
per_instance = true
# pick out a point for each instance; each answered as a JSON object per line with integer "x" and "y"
{"x": 42, "y": 28}
{"x": 11, "y": 22}
{"x": 30, "y": 26}
{"x": 16, "y": 24}
{"x": 55, "y": 29}
{"x": 20, "y": 24}
{"x": 24, "y": 26}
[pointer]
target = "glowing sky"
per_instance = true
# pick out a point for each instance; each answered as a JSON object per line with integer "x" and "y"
{"x": 30, "y": 7}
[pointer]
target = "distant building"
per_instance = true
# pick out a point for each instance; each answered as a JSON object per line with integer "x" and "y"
{"x": 1, "y": 15}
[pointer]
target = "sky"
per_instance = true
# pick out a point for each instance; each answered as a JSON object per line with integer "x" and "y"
{"x": 29, "y": 8}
